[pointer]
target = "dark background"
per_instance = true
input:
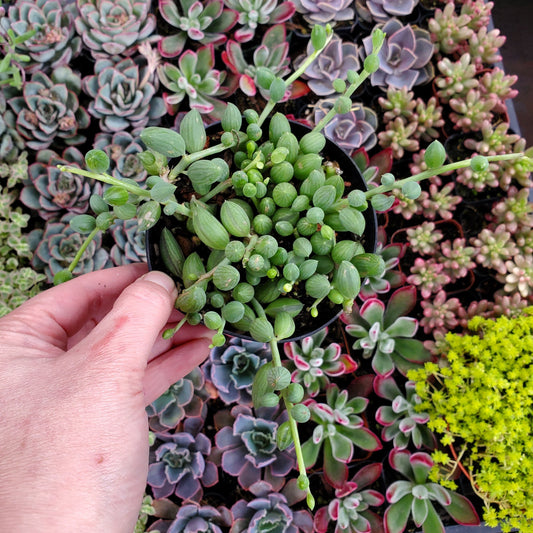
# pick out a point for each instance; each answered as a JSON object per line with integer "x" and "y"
{"x": 514, "y": 19}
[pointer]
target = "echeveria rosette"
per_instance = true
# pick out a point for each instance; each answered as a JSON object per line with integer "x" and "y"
{"x": 54, "y": 42}
{"x": 123, "y": 94}
{"x": 232, "y": 368}
{"x": 55, "y": 247}
{"x": 181, "y": 467}
{"x": 386, "y": 334}
{"x": 185, "y": 398}
{"x": 50, "y": 191}
{"x": 194, "y": 78}
{"x": 114, "y": 27}
{"x": 350, "y": 510}
{"x": 323, "y": 12}
{"x": 383, "y": 10}
{"x": 312, "y": 364}
{"x": 129, "y": 244}
{"x": 337, "y": 58}
{"x": 402, "y": 421}
{"x": 249, "y": 450}
{"x": 123, "y": 149}
{"x": 192, "y": 518}
{"x": 414, "y": 497}
{"x": 338, "y": 430}
{"x": 204, "y": 22}
{"x": 11, "y": 142}
{"x": 404, "y": 59}
{"x": 350, "y": 131}
{"x": 270, "y": 512}
{"x": 271, "y": 54}
{"x": 251, "y": 13}
{"x": 49, "y": 110}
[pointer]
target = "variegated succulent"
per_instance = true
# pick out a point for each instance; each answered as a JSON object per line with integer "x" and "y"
{"x": 194, "y": 78}
{"x": 252, "y": 13}
{"x": 204, "y": 22}
{"x": 386, "y": 334}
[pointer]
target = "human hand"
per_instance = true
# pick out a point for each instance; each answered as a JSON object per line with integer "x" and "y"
{"x": 78, "y": 364}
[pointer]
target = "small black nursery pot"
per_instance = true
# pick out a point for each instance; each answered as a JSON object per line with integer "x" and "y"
{"x": 305, "y": 324}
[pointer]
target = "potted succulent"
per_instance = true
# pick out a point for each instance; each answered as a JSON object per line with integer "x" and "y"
{"x": 365, "y": 448}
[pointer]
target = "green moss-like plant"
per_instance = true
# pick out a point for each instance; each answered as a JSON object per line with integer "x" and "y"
{"x": 480, "y": 402}
{"x": 18, "y": 281}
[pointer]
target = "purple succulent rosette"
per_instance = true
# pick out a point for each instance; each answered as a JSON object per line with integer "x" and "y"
{"x": 249, "y": 450}
{"x": 49, "y": 109}
{"x": 181, "y": 467}
{"x": 54, "y": 42}
{"x": 123, "y": 95}
{"x": 232, "y": 367}
{"x": 334, "y": 62}
{"x": 192, "y": 518}
{"x": 351, "y": 131}
{"x": 56, "y": 246}
{"x": 114, "y": 27}
{"x": 185, "y": 398}
{"x": 322, "y": 11}
{"x": 382, "y": 10}
{"x": 123, "y": 149}
{"x": 50, "y": 191}
{"x": 404, "y": 59}
{"x": 269, "y": 513}
{"x": 129, "y": 244}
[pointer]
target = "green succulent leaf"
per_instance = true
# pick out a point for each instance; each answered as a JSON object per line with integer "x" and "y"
{"x": 164, "y": 141}
{"x": 83, "y": 223}
{"x": 284, "y": 305}
{"x": 193, "y": 132}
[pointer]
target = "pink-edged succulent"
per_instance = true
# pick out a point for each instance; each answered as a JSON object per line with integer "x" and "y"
{"x": 350, "y": 509}
{"x": 383, "y": 10}
{"x": 195, "y": 78}
{"x": 338, "y": 429}
{"x": 484, "y": 46}
{"x": 372, "y": 168}
{"x": 204, "y": 22}
{"x": 320, "y": 12}
{"x": 252, "y": 13}
{"x": 270, "y": 58}
{"x": 440, "y": 201}
{"x": 514, "y": 211}
{"x": 400, "y": 137}
{"x": 312, "y": 364}
{"x": 389, "y": 278}
{"x": 470, "y": 111}
{"x": 449, "y": 30}
{"x": 402, "y": 421}
{"x": 414, "y": 497}
{"x": 519, "y": 276}
{"x": 456, "y": 78}
{"x": 385, "y": 333}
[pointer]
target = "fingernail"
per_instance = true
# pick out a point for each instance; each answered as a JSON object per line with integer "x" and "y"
{"x": 161, "y": 279}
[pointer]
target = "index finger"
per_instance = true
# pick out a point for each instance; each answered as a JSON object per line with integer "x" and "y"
{"x": 60, "y": 312}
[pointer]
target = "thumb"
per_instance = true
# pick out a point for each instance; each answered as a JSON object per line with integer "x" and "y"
{"x": 129, "y": 331}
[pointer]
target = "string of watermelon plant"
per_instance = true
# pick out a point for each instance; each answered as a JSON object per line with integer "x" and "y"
{"x": 244, "y": 275}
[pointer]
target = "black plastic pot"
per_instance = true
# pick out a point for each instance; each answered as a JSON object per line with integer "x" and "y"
{"x": 327, "y": 312}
